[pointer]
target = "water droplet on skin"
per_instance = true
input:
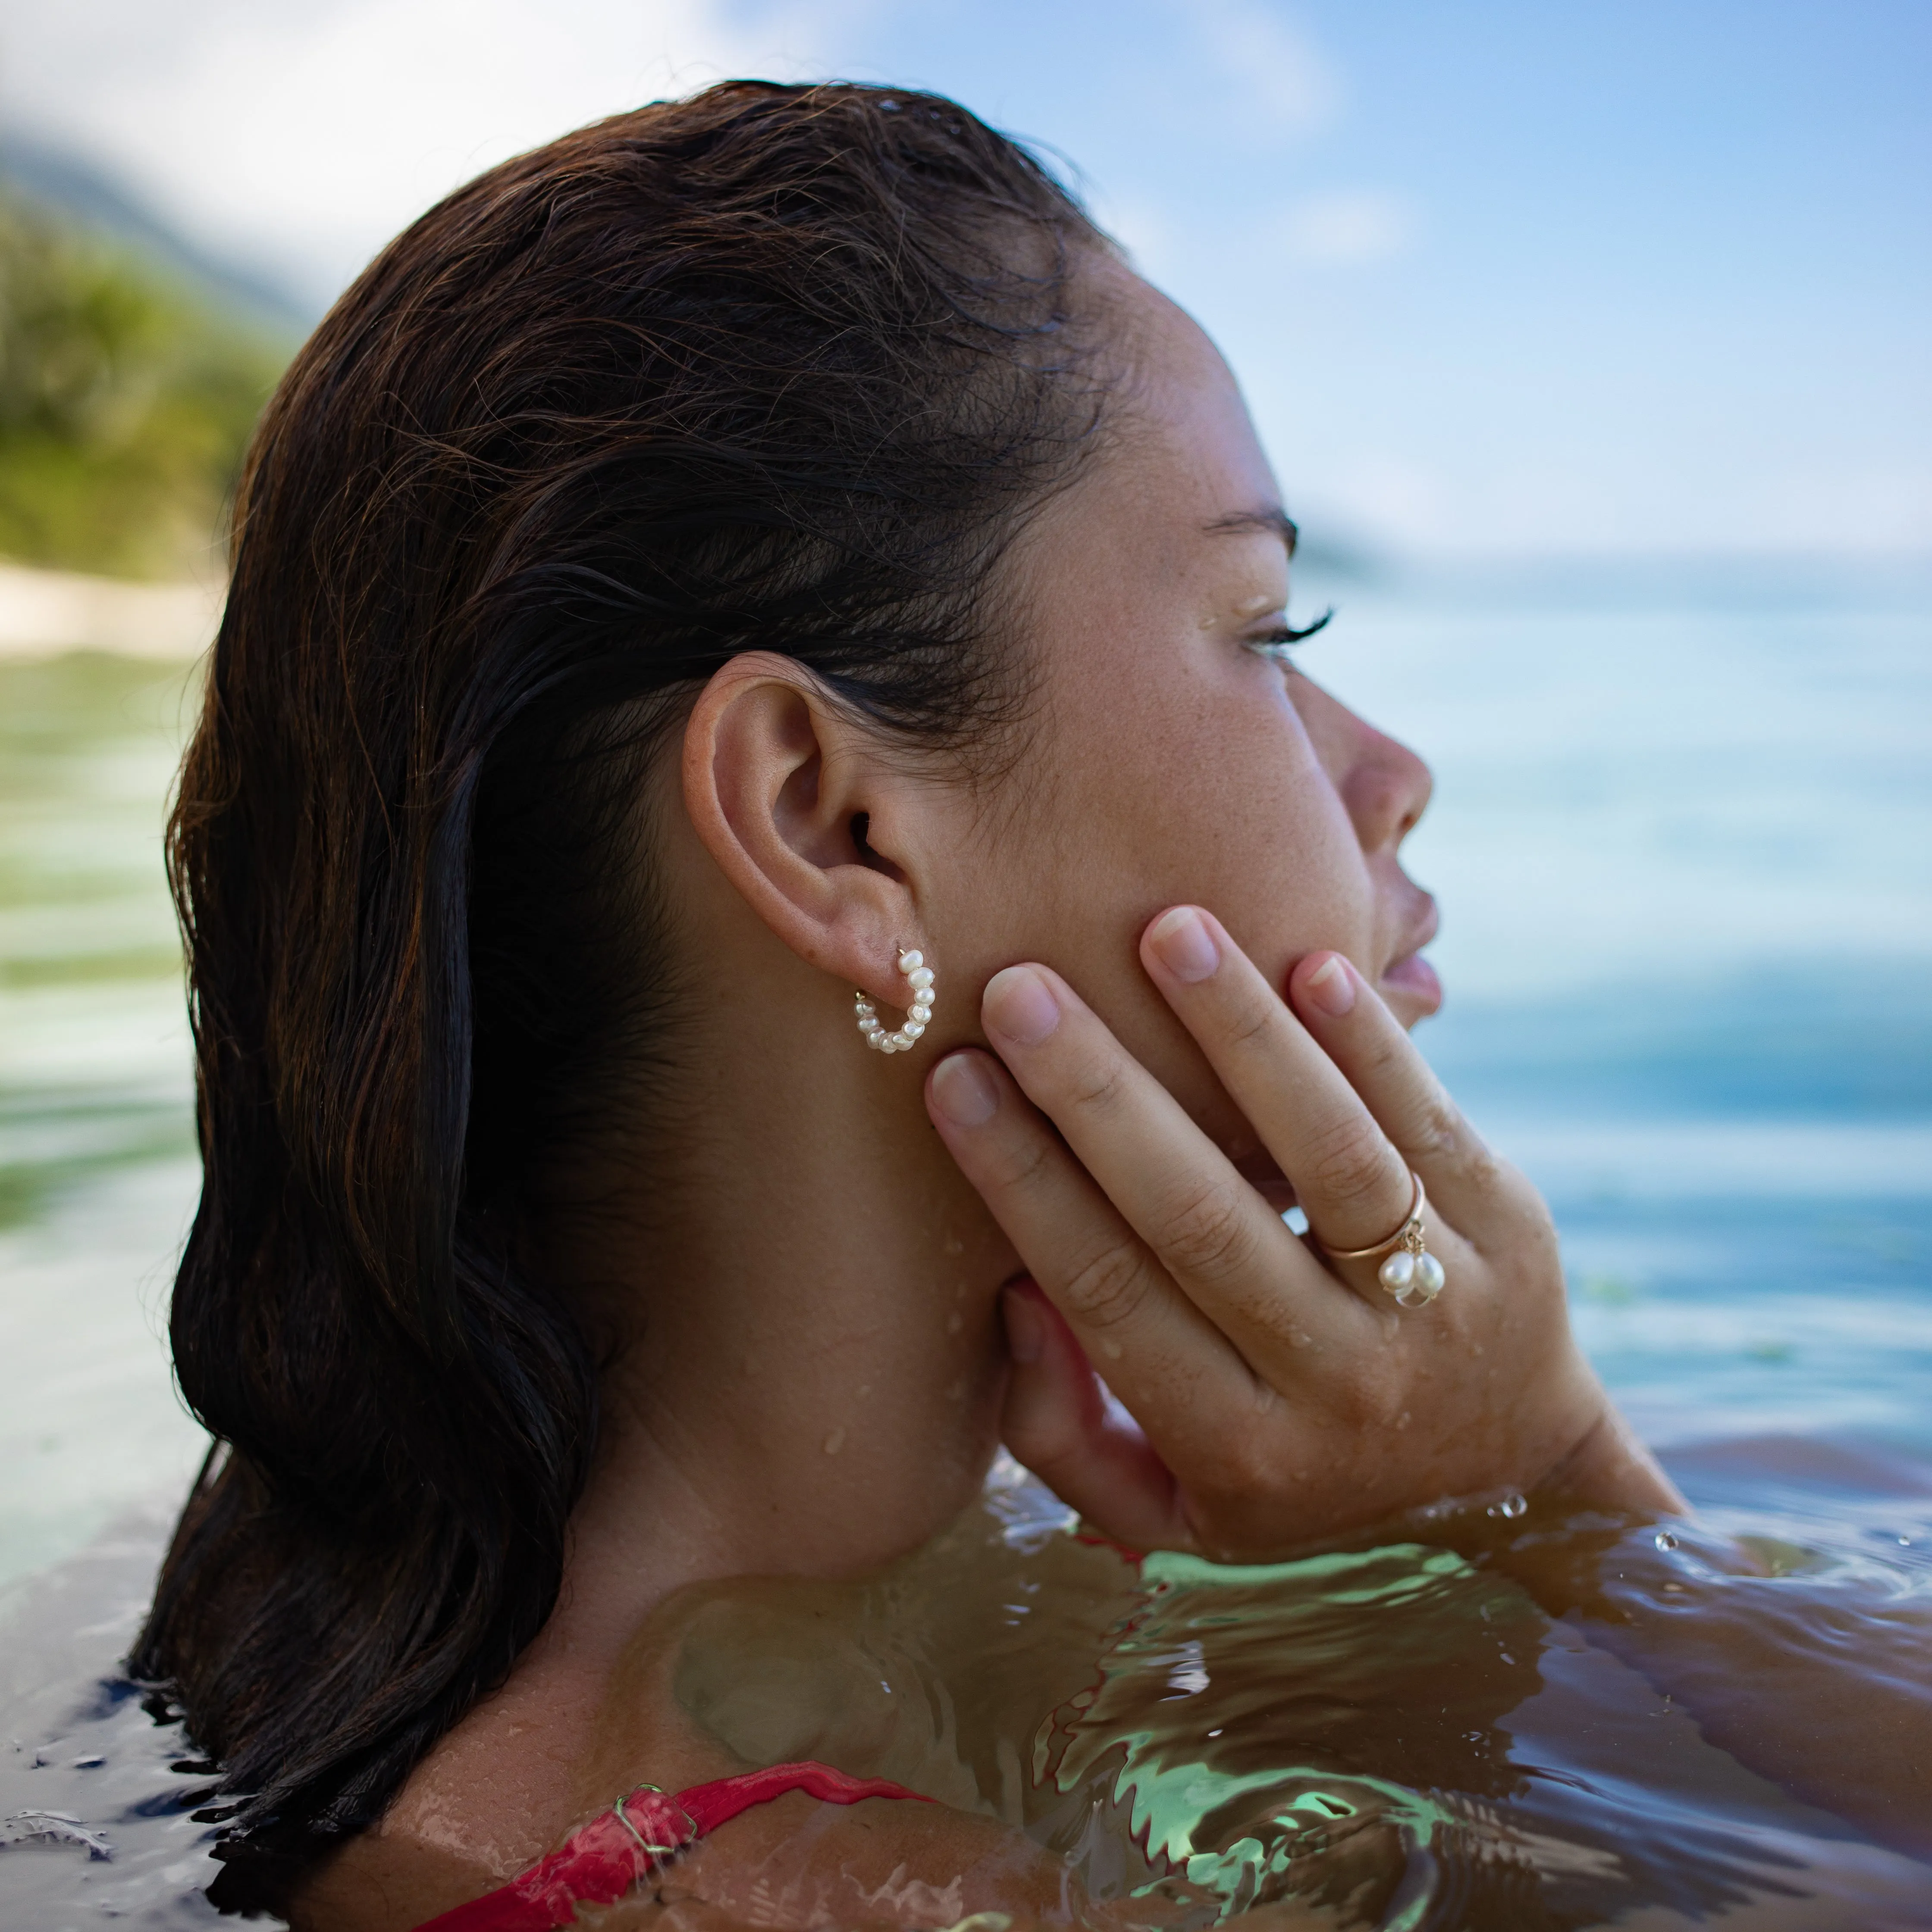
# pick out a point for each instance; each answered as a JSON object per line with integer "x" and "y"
{"x": 834, "y": 1442}
{"x": 1665, "y": 1540}
{"x": 1112, "y": 1350}
{"x": 1511, "y": 1506}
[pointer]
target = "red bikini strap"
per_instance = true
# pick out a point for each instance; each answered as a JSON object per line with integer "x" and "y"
{"x": 598, "y": 1864}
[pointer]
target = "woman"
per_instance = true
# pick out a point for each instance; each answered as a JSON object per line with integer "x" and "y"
{"x": 756, "y": 548}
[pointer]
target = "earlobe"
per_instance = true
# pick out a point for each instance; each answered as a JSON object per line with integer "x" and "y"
{"x": 790, "y": 797}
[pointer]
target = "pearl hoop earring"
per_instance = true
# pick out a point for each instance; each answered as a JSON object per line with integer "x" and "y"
{"x": 919, "y": 977}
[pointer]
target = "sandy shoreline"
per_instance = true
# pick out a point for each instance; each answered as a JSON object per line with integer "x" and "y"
{"x": 44, "y": 612}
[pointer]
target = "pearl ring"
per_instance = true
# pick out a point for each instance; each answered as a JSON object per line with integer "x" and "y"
{"x": 1409, "y": 1272}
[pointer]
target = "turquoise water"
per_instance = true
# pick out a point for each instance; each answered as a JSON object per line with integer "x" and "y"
{"x": 1681, "y": 837}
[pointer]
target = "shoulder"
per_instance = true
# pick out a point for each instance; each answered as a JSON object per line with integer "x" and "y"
{"x": 525, "y": 1768}
{"x": 794, "y": 1862}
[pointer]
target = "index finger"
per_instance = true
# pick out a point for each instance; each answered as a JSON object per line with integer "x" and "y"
{"x": 1211, "y": 1230}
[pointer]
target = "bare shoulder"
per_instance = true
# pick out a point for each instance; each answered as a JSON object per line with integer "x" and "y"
{"x": 796, "y": 1862}
{"x": 799, "y": 1866}
{"x": 796, "y": 1865}
{"x": 571, "y": 1732}
{"x": 532, "y": 1765}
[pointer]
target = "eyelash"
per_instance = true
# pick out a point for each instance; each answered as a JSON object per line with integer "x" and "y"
{"x": 1278, "y": 645}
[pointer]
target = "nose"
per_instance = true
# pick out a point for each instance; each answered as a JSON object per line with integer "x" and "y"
{"x": 1386, "y": 788}
{"x": 1383, "y": 785}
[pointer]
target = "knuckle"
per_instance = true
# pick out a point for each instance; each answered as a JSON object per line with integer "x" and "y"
{"x": 1250, "y": 1020}
{"x": 1022, "y": 1164}
{"x": 1107, "y": 1288}
{"x": 1207, "y": 1235}
{"x": 1247, "y": 1462}
{"x": 1361, "y": 1407}
{"x": 1486, "y": 1173}
{"x": 1350, "y": 1165}
{"x": 1437, "y": 1125}
{"x": 1243, "y": 1471}
{"x": 1095, "y": 1083}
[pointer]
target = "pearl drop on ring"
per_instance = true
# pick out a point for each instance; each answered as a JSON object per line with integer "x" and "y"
{"x": 1409, "y": 1271}
{"x": 919, "y": 976}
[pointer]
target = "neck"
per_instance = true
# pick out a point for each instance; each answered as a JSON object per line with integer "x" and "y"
{"x": 814, "y": 1386}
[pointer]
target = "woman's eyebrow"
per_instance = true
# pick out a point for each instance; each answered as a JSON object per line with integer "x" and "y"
{"x": 1270, "y": 517}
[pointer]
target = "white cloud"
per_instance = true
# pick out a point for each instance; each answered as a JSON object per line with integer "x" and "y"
{"x": 306, "y": 132}
{"x": 1269, "y": 68}
{"x": 1348, "y": 225}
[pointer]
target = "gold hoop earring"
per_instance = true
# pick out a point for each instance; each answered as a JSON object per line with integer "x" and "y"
{"x": 919, "y": 977}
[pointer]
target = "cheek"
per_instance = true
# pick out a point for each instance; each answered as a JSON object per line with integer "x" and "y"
{"x": 1198, "y": 793}
{"x": 1215, "y": 794}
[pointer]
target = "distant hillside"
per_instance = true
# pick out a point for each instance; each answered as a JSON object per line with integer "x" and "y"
{"x": 128, "y": 387}
{"x": 79, "y": 193}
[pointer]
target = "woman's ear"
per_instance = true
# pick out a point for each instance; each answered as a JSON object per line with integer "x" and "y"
{"x": 794, "y": 801}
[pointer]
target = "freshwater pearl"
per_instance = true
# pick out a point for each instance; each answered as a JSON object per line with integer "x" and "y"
{"x": 919, "y": 977}
{"x": 1429, "y": 1276}
{"x": 1397, "y": 1272}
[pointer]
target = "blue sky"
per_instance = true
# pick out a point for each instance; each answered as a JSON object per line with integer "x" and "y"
{"x": 1500, "y": 277}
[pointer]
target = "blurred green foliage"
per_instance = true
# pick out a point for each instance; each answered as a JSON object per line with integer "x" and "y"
{"x": 126, "y": 402}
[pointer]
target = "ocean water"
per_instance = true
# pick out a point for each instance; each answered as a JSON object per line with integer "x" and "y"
{"x": 1682, "y": 837}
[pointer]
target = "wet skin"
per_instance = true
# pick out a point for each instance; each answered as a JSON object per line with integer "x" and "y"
{"x": 1139, "y": 1092}
{"x": 814, "y": 1278}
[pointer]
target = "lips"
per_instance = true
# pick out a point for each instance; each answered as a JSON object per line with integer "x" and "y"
{"x": 1413, "y": 975}
{"x": 1410, "y": 980}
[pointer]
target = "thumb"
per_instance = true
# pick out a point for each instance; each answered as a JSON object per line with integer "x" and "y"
{"x": 1058, "y": 1422}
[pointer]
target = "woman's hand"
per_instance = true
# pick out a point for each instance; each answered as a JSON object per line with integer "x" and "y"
{"x": 1280, "y": 1396}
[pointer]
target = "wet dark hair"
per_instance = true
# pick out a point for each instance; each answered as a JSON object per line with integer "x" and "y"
{"x": 772, "y": 367}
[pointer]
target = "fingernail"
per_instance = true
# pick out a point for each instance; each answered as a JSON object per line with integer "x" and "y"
{"x": 1332, "y": 986}
{"x": 1026, "y": 1332}
{"x": 1185, "y": 946}
{"x": 964, "y": 1091}
{"x": 1020, "y": 1004}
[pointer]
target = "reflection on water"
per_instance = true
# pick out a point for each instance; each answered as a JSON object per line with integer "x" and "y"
{"x": 1406, "y": 1735}
{"x": 96, "y": 1169}
{"x": 1682, "y": 852}
{"x": 1511, "y": 1721}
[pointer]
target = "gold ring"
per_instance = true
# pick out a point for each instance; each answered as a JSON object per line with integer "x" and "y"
{"x": 1410, "y": 1273}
